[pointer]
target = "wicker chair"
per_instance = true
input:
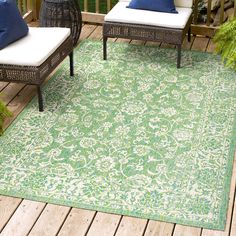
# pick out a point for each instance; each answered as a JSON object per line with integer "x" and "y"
{"x": 62, "y": 13}
{"x": 123, "y": 22}
{"x": 31, "y": 59}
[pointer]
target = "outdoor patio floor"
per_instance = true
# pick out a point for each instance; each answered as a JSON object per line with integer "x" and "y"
{"x": 20, "y": 217}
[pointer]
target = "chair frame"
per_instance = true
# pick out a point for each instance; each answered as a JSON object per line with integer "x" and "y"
{"x": 33, "y": 75}
{"x": 146, "y": 33}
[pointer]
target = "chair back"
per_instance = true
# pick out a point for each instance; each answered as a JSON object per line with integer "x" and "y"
{"x": 178, "y": 3}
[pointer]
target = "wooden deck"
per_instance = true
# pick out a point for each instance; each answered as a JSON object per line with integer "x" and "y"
{"x": 20, "y": 217}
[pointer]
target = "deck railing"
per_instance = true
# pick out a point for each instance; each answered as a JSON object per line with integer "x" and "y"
{"x": 206, "y": 28}
{"x": 108, "y": 4}
{"x": 93, "y": 11}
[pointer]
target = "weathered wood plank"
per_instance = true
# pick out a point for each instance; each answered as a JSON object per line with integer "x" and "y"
{"x": 86, "y": 31}
{"x": 131, "y": 226}
{"x": 19, "y": 102}
{"x": 157, "y": 228}
{"x": 8, "y": 205}
{"x": 111, "y": 39}
{"x": 120, "y": 40}
{"x": 77, "y": 223}
{"x": 94, "y": 18}
{"x": 50, "y": 221}
{"x": 3, "y": 85}
{"x": 186, "y": 44}
{"x": 200, "y": 44}
{"x": 211, "y": 46}
{"x": 97, "y": 33}
{"x": 150, "y": 43}
{"x": 23, "y": 219}
{"x": 104, "y": 224}
{"x": 167, "y": 45}
{"x": 137, "y": 42}
{"x": 182, "y": 230}
{"x": 10, "y": 92}
{"x": 207, "y": 232}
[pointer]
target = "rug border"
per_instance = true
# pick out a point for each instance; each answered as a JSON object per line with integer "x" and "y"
{"x": 220, "y": 225}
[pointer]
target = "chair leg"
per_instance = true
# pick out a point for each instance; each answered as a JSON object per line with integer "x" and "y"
{"x": 104, "y": 48}
{"x": 40, "y": 98}
{"x": 178, "y": 55}
{"x": 71, "y": 64}
{"x": 189, "y": 34}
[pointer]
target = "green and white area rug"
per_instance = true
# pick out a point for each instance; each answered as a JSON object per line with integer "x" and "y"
{"x": 132, "y": 135}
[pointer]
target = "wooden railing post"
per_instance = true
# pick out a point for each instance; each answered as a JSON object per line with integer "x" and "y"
{"x": 209, "y": 12}
{"x": 97, "y": 6}
{"x": 86, "y": 5}
{"x": 235, "y": 8}
{"x": 31, "y": 6}
{"x": 109, "y": 5}
{"x": 195, "y": 11}
{"x": 222, "y": 12}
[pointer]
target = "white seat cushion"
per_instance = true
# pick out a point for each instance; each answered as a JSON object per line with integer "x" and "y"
{"x": 120, "y": 13}
{"x": 35, "y": 48}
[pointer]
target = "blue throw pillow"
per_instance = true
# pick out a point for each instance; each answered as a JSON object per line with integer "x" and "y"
{"x": 12, "y": 25}
{"x": 154, "y": 5}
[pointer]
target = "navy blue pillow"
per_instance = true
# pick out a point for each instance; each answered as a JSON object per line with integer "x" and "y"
{"x": 154, "y": 5}
{"x": 12, "y": 25}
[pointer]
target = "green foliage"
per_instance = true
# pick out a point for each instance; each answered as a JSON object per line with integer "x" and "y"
{"x": 92, "y": 5}
{"x": 225, "y": 40}
{"x": 4, "y": 113}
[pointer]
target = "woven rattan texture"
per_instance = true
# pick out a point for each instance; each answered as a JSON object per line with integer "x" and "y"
{"x": 35, "y": 75}
{"x": 62, "y": 13}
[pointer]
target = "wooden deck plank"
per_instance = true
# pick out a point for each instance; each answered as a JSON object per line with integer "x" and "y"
{"x": 97, "y": 33}
{"x": 200, "y": 44}
{"x": 23, "y": 219}
{"x": 86, "y": 31}
{"x": 10, "y": 92}
{"x": 211, "y": 46}
{"x": 207, "y": 232}
{"x": 104, "y": 224}
{"x": 131, "y": 226}
{"x": 77, "y": 223}
{"x": 182, "y": 230}
{"x": 186, "y": 44}
{"x": 111, "y": 39}
{"x": 167, "y": 45}
{"x": 120, "y": 40}
{"x": 157, "y": 228}
{"x": 8, "y": 205}
{"x": 50, "y": 221}
{"x": 137, "y": 42}
{"x": 19, "y": 102}
{"x": 3, "y": 85}
{"x": 150, "y": 43}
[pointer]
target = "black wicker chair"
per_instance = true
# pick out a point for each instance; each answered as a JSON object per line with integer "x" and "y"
{"x": 39, "y": 59}
{"x": 62, "y": 13}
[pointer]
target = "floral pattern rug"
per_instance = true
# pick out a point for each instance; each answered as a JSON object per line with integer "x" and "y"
{"x": 132, "y": 135}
